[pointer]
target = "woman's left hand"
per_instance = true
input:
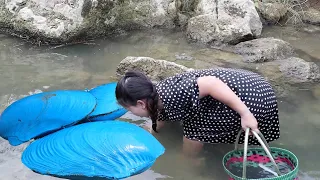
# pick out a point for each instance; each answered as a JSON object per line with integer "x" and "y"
{"x": 249, "y": 121}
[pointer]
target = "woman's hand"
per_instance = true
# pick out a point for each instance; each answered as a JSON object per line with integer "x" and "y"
{"x": 249, "y": 121}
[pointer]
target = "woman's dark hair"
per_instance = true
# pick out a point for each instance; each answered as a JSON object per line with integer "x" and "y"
{"x": 134, "y": 86}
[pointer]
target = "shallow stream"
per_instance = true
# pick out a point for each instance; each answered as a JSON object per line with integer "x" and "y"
{"x": 27, "y": 69}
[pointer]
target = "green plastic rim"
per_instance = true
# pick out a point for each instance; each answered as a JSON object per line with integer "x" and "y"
{"x": 293, "y": 174}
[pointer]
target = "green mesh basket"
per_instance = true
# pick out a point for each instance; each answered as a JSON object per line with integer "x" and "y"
{"x": 263, "y": 157}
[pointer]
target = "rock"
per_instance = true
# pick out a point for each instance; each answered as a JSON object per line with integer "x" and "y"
{"x": 264, "y": 49}
{"x": 297, "y": 70}
{"x": 315, "y": 5}
{"x": 272, "y": 13}
{"x": 186, "y": 6}
{"x": 206, "y": 7}
{"x": 142, "y": 14}
{"x": 316, "y": 92}
{"x": 311, "y": 16}
{"x": 58, "y": 21}
{"x": 155, "y": 69}
{"x": 183, "y": 56}
{"x": 182, "y": 20}
{"x": 311, "y": 29}
{"x": 271, "y": 72}
{"x": 226, "y": 22}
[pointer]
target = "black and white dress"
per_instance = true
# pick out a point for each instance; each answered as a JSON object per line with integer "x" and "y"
{"x": 210, "y": 121}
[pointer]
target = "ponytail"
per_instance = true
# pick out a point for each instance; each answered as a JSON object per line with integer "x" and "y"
{"x": 153, "y": 108}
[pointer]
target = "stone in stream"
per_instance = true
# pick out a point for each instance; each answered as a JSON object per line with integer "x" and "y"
{"x": 311, "y": 16}
{"x": 155, "y": 69}
{"x": 224, "y": 22}
{"x": 264, "y": 49}
{"x": 299, "y": 71}
{"x": 271, "y": 13}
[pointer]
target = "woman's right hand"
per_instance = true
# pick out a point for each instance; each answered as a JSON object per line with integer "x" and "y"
{"x": 249, "y": 121}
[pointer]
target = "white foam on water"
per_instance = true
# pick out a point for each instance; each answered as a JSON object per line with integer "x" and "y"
{"x": 267, "y": 169}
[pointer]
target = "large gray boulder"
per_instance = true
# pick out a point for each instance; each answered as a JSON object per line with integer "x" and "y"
{"x": 58, "y": 21}
{"x": 272, "y": 13}
{"x": 155, "y": 69}
{"x": 297, "y": 70}
{"x": 264, "y": 49}
{"x": 311, "y": 16}
{"x": 224, "y": 21}
{"x": 290, "y": 71}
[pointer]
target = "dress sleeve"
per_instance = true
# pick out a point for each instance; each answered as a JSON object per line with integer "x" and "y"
{"x": 182, "y": 94}
{"x": 189, "y": 92}
{"x": 179, "y": 98}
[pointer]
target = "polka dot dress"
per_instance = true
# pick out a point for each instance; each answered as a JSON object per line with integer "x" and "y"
{"x": 210, "y": 121}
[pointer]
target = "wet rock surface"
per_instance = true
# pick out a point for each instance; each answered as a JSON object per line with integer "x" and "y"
{"x": 297, "y": 70}
{"x": 224, "y": 22}
{"x": 311, "y": 16}
{"x": 155, "y": 69}
{"x": 264, "y": 49}
{"x": 272, "y": 13}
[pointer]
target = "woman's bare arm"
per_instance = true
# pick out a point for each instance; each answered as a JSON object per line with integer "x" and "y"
{"x": 210, "y": 85}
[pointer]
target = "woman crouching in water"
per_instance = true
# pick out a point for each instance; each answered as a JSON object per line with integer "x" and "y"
{"x": 213, "y": 104}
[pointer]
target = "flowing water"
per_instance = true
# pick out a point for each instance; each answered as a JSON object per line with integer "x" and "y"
{"x": 27, "y": 69}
